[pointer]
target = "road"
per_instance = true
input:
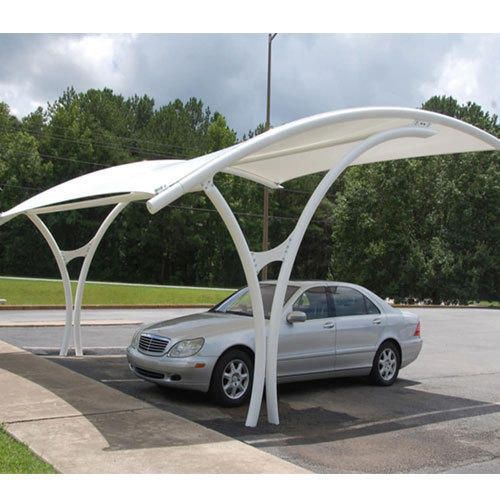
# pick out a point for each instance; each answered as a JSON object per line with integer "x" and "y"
{"x": 442, "y": 415}
{"x": 132, "y": 315}
{"x": 96, "y": 339}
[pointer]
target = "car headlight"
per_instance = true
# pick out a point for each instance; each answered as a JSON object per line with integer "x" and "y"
{"x": 186, "y": 348}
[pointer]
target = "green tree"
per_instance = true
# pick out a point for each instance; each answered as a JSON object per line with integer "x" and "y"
{"x": 425, "y": 228}
{"x": 219, "y": 135}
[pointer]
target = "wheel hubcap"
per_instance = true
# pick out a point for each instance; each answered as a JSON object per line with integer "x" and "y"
{"x": 387, "y": 363}
{"x": 235, "y": 379}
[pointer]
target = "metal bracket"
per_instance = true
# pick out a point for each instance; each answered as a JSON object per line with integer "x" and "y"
{"x": 69, "y": 255}
{"x": 262, "y": 259}
{"x": 208, "y": 185}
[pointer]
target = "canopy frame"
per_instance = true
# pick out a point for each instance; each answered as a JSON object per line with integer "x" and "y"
{"x": 403, "y": 124}
{"x": 290, "y": 251}
{"x": 266, "y": 353}
{"x": 72, "y": 324}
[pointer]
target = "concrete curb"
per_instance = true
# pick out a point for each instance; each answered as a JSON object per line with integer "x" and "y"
{"x": 44, "y": 324}
{"x": 43, "y": 307}
{"x": 200, "y": 306}
{"x": 117, "y": 283}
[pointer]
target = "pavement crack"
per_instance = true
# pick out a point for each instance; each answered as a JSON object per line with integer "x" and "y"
{"x": 91, "y": 414}
{"x": 459, "y": 376}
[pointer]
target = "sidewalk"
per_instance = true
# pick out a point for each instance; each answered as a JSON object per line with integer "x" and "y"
{"x": 11, "y": 318}
{"x": 82, "y": 426}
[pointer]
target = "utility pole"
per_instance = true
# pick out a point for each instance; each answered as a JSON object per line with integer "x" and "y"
{"x": 265, "y": 225}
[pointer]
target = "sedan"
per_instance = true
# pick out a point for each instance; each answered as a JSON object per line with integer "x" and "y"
{"x": 328, "y": 329}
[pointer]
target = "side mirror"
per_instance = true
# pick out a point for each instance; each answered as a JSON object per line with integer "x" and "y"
{"x": 296, "y": 317}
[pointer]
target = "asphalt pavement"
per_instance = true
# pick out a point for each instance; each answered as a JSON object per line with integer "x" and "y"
{"x": 442, "y": 415}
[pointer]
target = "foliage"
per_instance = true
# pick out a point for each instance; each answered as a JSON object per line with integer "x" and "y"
{"x": 426, "y": 228}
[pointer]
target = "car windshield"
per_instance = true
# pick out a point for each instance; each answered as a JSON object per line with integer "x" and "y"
{"x": 240, "y": 303}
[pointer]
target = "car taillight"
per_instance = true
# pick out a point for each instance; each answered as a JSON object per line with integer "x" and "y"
{"x": 417, "y": 330}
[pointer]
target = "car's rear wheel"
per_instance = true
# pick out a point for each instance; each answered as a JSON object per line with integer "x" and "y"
{"x": 232, "y": 378}
{"x": 386, "y": 364}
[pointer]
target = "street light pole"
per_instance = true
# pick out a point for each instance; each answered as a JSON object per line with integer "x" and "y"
{"x": 265, "y": 225}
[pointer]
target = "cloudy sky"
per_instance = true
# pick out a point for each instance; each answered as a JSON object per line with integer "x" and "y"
{"x": 311, "y": 73}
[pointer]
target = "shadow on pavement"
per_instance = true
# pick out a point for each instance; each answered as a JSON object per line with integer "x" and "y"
{"x": 123, "y": 421}
{"x": 310, "y": 412}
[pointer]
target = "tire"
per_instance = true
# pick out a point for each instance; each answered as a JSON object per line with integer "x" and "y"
{"x": 386, "y": 364}
{"x": 232, "y": 378}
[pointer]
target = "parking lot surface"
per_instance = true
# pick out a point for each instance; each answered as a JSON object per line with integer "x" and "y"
{"x": 442, "y": 415}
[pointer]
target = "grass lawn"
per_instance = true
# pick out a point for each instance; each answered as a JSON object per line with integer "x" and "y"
{"x": 487, "y": 303}
{"x": 16, "y": 458}
{"x": 40, "y": 292}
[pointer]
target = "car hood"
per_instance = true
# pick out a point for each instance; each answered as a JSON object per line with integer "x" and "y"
{"x": 205, "y": 325}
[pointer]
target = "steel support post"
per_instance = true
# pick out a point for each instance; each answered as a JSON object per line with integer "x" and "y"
{"x": 250, "y": 270}
{"x": 295, "y": 240}
{"x": 61, "y": 264}
{"x": 73, "y": 310}
{"x": 94, "y": 243}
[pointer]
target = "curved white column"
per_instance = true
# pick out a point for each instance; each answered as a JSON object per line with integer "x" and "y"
{"x": 73, "y": 310}
{"x": 251, "y": 276}
{"x": 91, "y": 249}
{"x": 61, "y": 264}
{"x": 294, "y": 244}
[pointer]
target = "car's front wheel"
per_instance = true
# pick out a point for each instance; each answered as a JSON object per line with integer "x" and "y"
{"x": 386, "y": 364}
{"x": 232, "y": 378}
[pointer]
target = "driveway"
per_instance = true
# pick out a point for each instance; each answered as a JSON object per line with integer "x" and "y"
{"x": 443, "y": 414}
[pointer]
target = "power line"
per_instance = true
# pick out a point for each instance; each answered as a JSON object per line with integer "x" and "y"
{"x": 191, "y": 208}
{"x": 105, "y": 165}
{"x": 134, "y": 149}
{"x": 130, "y": 139}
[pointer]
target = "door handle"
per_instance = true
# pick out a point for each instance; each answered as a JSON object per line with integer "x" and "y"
{"x": 377, "y": 321}
{"x": 329, "y": 324}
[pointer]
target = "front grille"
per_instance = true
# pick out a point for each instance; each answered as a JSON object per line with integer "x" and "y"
{"x": 147, "y": 373}
{"x": 153, "y": 344}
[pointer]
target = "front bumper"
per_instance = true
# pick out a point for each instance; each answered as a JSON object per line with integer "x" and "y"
{"x": 172, "y": 372}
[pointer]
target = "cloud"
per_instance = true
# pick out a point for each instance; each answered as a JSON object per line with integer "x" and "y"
{"x": 310, "y": 73}
{"x": 470, "y": 72}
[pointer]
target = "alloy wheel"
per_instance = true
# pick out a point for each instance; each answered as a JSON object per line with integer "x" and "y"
{"x": 387, "y": 363}
{"x": 235, "y": 379}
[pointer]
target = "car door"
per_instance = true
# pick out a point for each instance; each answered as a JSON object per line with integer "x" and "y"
{"x": 308, "y": 348}
{"x": 358, "y": 325}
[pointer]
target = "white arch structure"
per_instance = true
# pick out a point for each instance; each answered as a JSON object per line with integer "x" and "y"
{"x": 328, "y": 142}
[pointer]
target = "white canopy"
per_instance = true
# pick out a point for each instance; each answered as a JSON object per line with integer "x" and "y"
{"x": 309, "y": 145}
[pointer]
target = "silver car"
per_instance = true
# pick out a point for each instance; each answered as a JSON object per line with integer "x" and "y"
{"x": 329, "y": 329}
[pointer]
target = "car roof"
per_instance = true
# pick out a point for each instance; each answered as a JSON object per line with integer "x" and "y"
{"x": 304, "y": 283}
{"x": 308, "y": 283}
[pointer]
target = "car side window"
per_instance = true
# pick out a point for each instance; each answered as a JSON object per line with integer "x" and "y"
{"x": 348, "y": 302}
{"x": 371, "y": 308}
{"x": 313, "y": 302}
